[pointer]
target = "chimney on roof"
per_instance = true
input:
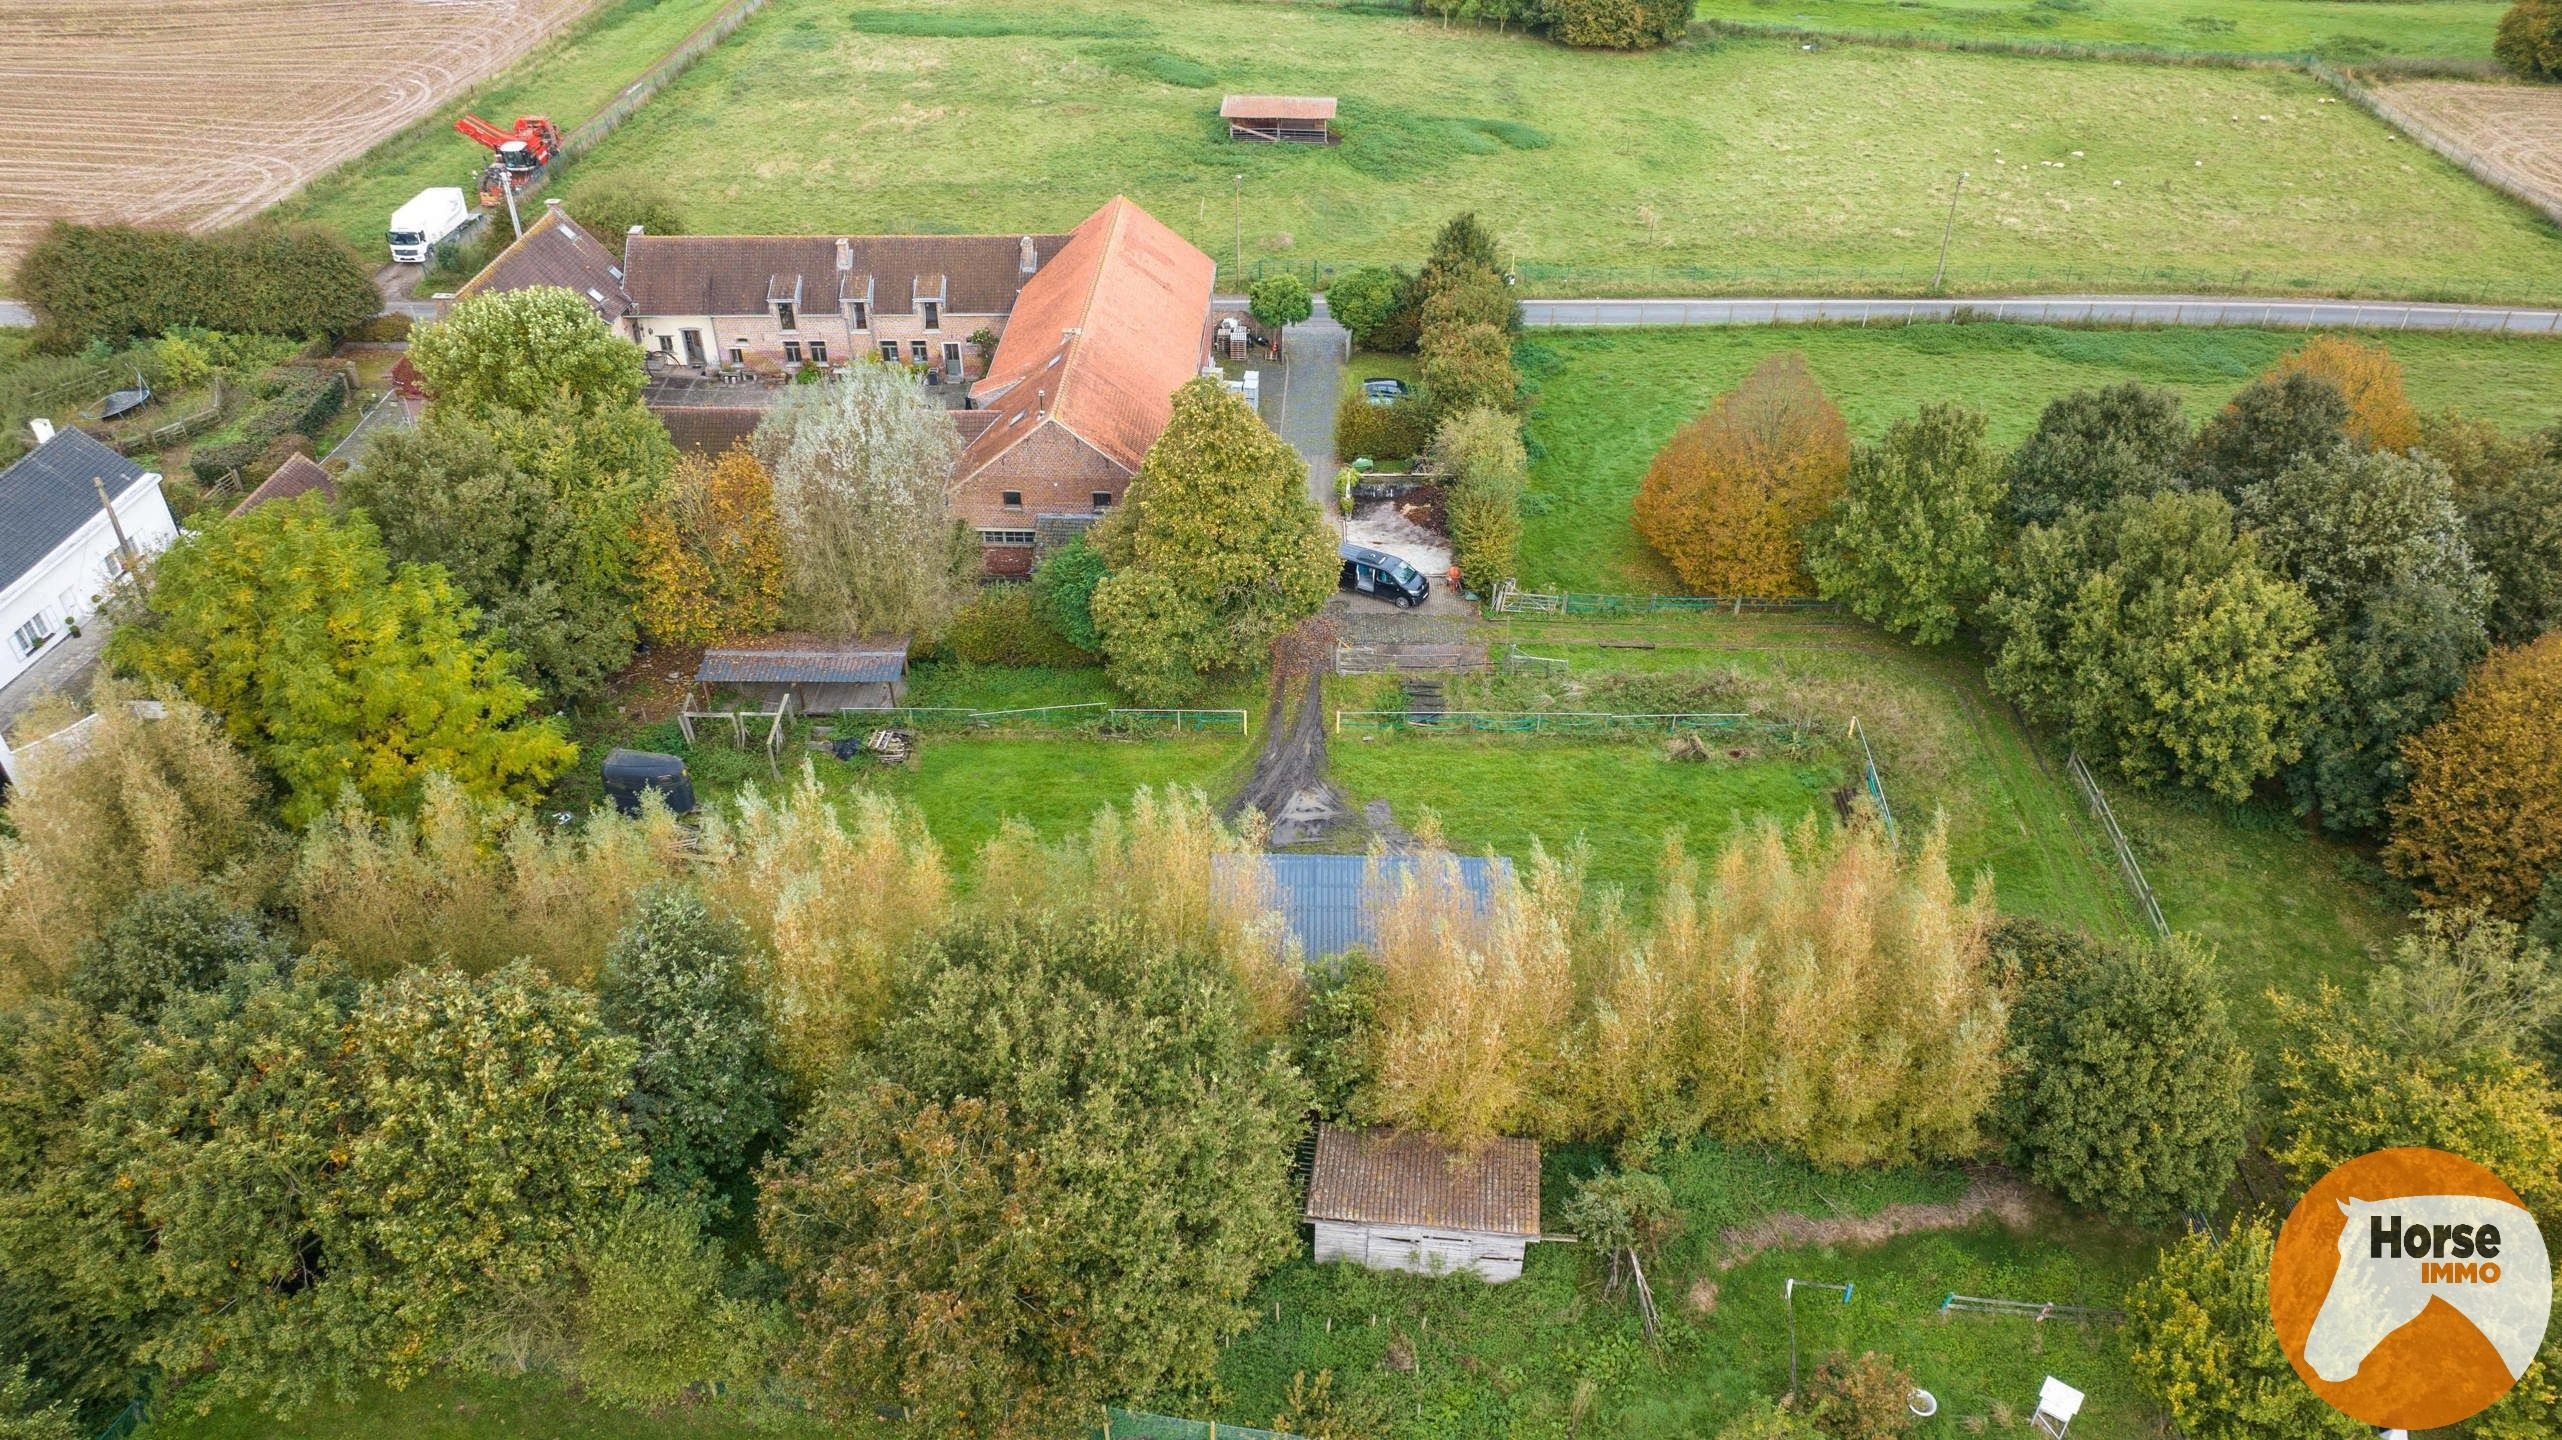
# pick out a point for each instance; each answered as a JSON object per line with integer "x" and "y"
{"x": 1041, "y": 403}
{"x": 552, "y": 205}
{"x": 635, "y": 230}
{"x": 1029, "y": 260}
{"x": 43, "y": 431}
{"x": 844, "y": 255}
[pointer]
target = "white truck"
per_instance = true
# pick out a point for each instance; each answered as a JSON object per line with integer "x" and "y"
{"x": 425, "y": 221}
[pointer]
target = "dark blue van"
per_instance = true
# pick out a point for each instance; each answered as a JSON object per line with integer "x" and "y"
{"x": 1376, "y": 572}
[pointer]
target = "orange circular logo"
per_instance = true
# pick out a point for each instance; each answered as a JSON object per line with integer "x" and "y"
{"x": 2410, "y": 1288}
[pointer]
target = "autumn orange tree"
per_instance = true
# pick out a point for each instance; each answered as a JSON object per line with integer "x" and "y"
{"x": 710, "y": 561}
{"x": 1727, "y": 500}
{"x": 2481, "y": 823}
{"x": 2370, "y": 379}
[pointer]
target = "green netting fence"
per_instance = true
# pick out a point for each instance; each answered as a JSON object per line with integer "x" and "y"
{"x": 1139, "y": 1425}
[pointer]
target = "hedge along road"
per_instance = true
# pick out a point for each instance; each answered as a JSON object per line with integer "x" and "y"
{"x": 2200, "y": 310}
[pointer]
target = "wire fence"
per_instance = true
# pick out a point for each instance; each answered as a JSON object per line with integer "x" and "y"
{"x": 1083, "y": 717}
{"x": 1868, "y": 772}
{"x": 1553, "y": 722}
{"x": 1139, "y": 1425}
{"x": 1511, "y": 599}
{"x": 127, "y": 1420}
{"x": 674, "y": 63}
{"x": 2126, "y": 865}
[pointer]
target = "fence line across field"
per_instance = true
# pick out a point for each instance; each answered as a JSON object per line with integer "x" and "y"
{"x": 2134, "y": 873}
{"x": 1511, "y": 599}
{"x": 1070, "y": 717}
{"x": 1562, "y": 721}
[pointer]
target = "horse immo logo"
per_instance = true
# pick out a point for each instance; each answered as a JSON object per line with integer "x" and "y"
{"x": 2410, "y": 1288}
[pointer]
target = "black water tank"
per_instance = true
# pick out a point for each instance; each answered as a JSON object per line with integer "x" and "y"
{"x": 629, "y": 772}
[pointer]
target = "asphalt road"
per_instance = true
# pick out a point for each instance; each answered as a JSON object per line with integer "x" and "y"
{"x": 1311, "y": 379}
{"x": 2051, "y": 309}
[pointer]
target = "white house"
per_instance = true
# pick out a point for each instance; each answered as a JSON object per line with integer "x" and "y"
{"x": 1405, "y": 1200}
{"x": 60, "y": 546}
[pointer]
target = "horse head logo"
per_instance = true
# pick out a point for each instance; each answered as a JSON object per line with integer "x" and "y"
{"x": 2475, "y": 1253}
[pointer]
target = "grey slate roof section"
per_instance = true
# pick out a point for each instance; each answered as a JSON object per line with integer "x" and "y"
{"x": 1325, "y": 899}
{"x": 801, "y": 667}
{"x": 47, "y": 496}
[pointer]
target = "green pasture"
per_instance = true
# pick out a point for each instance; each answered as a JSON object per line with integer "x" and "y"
{"x": 2347, "y": 33}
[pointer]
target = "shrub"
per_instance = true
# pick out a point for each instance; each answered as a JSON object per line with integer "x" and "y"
{"x": 657, "y": 1319}
{"x": 608, "y": 206}
{"x": 2123, "y": 1073}
{"x": 1619, "y": 24}
{"x": 2199, "y": 1339}
{"x": 1385, "y": 433}
{"x": 1619, "y": 1213}
{"x": 710, "y": 561}
{"x": 1463, "y": 367}
{"x": 1728, "y": 497}
{"x": 1063, "y": 593}
{"x": 1864, "y": 1399}
{"x": 704, "y": 1089}
{"x": 2529, "y": 40}
{"x": 116, "y": 282}
{"x": 2093, "y": 446}
{"x": 2481, "y": 821}
{"x": 1005, "y": 625}
{"x": 1380, "y": 304}
{"x": 173, "y": 941}
{"x": 384, "y": 329}
{"x": 1484, "y": 469}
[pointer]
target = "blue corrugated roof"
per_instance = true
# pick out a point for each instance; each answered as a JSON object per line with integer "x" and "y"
{"x": 1325, "y": 899}
{"x": 47, "y": 496}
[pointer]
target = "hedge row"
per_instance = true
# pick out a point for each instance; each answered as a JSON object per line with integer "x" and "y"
{"x": 295, "y": 400}
{"x": 119, "y": 282}
{"x": 1382, "y": 432}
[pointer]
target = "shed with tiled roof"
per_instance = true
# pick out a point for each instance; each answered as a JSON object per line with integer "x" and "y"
{"x": 1405, "y": 1200}
{"x": 299, "y": 475}
{"x": 1298, "y": 119}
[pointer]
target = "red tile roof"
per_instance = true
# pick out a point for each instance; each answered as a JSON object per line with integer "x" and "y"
{"x": 299, "y": 475}
{"x": 1100, "y": 340}
{"x": 1406, "y": 1177}
{"x": 1277, "y": 107}
{"x": 708, "y": 430}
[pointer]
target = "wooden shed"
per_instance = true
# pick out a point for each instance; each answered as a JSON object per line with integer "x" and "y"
{"x": 818, "y": 674}
{"x": 1296, "y": 119}
{"x": 1404, "y": 1200}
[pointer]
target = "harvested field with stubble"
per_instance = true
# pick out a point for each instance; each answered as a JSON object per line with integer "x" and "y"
{"x": 2516, "y": 130}
{"x": 202, "y": 112}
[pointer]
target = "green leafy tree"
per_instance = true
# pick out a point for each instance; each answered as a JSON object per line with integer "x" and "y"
{"x": 2094, "y": 446}
{"x": 1380, "y": 304}
{"x": 608, "y": 206}
{"x": 445, "y": 494}
{"x": 1911, "y": 543}
{"x": 2271, "y": 424}
{"x": 28, "y": 1413}
{"x": 2123, "y": 1073}
{"x": 334, "y": 668}
{"x": 1468, "y": 367}
{"x": 2509, "y": 489}
{"x": 2529, "y": 40}
{"x": 1484, "y": 472}
{"x": 1214, "y": 552}
{"x": 1054, "y": 1178}
{"x": 1277, "y": 300}
{"x": 704, "y": 1088}
{"x": 174, "y": 941}
{"x": 2404, "y": 653}
{"x": 1063, "y": 592}
{"x": 76, "y": 1298}
{"x": 2461, "y": 981}
{"x": 2154, "y": 639}
{"x": 1462, "y": 244}
{"x": 2199, "y": 1339}
{"x": 560, "y": 393}
{"x": 863, "y": 481}
{"x": 1466, "y": 294}
{"x": 1619, "y": 24}
{"x": 2480, "y": 821}
{"x": 340, "y": 1183}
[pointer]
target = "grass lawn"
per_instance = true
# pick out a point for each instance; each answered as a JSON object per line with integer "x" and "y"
{"x": 1609, "y": 399}
{"x": 472, "y": 1407}
{"x": 569, "y": 79}
{"x": 1509, "y": 1360}
{"x": 1713, "y": 165}
{"x": 2432, "y": 29}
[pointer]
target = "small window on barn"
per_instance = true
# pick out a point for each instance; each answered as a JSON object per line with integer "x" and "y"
{"x": 889, "y": 352}
{"x": 857, "y": 317}
{"x": 933, "y": 314}
{"x": 1102, "y": 499}
{"x": 785, "y": 315}
{"x": 818, "y": 352}
{"x": 918, "y": 351}
{"x": 1013, "y": 499}
{"x": 792, "y": 352}
{"x": 666, "y": 344}
{"x": 1005, "y": 537}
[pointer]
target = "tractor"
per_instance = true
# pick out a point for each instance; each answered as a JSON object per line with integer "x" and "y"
{"x": 520, "y": 157}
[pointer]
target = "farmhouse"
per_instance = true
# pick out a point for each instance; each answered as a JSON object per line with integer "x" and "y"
{"x": 1403, "y": 1200}
{"x": 710, "y": 301}
{"x": 555, "y": 251}
{"x": 1296, "y": 119}
{"x": 74, "y": 517}
{"x": 1083, "y": 379}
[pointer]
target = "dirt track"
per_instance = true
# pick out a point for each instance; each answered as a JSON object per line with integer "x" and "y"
{"x": 202, "y": 112}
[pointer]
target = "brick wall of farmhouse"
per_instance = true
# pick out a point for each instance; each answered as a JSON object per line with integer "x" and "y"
{"x": 761, "y": 337}
{"x": 1054, "y": 473}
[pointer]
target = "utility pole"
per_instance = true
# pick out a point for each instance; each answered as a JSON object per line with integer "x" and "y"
{"x": 1240, "y": 227}
{"x": 507, "y": 183}
{"x": 1946, "y": 230}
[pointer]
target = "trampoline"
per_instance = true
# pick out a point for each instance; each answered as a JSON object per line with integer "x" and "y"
{"x": 124, "y": 402}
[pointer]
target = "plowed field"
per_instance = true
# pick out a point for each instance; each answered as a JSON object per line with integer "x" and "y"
{"x": 2515, "y": 129}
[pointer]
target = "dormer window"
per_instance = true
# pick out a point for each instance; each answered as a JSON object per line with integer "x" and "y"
{"x": 785, "y": 315}
{"x": 933, "y": 314}
{"x": 857, "y": 315}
